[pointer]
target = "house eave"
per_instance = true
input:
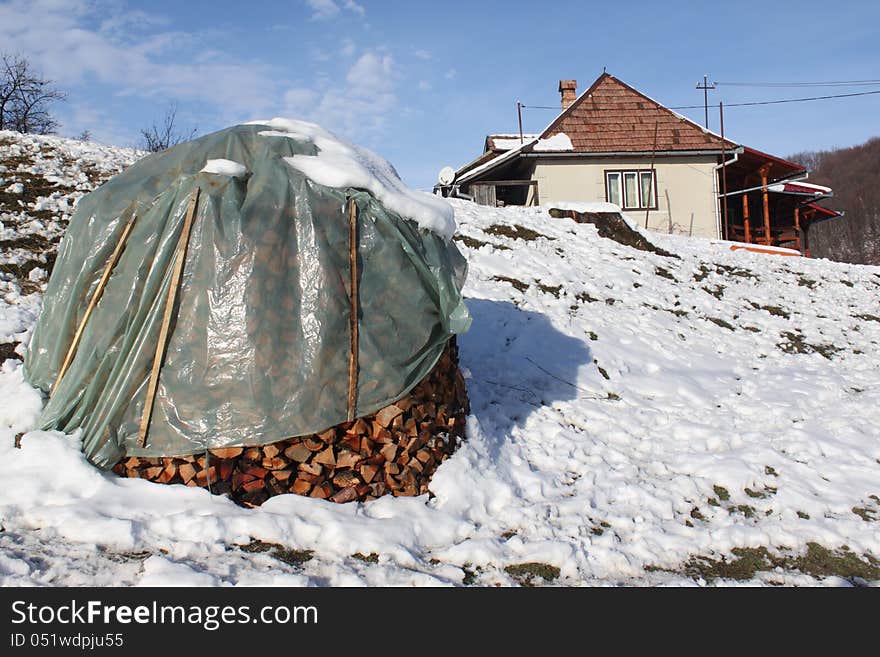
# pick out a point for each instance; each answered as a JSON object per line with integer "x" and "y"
{"x": 606, "y": 154}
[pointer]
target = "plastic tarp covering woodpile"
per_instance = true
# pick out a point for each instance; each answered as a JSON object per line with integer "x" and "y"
{"x": 259, "y": 346}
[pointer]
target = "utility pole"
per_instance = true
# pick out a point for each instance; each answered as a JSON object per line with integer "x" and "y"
{"x": 519, "y": 115}
{"x": 723, "y": 174}
{"x": 706, "y": 87}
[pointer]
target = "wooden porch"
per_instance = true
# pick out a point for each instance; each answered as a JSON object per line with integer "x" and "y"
{"x": 764, "y": 206}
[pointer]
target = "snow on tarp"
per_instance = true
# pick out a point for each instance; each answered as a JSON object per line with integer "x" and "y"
{"x": 338, "y": 164}
{"x": 225, "y": 167}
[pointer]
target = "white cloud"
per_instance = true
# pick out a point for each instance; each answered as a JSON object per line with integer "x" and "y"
{"x": 323, "y": 9}
{"x": 326, "y": 9}
{"x": 424, "y": 85}
{"x": 357, "y": 108}
{"x": 104, "y": 69}
{"x": 300, "y": 101}
{"x": 450, "y": 74}
{"x": 58, "y": 38}
{"x": 351, "y": 5}
{"x": 423, "y": 54}
{"x": 348, "y": 48}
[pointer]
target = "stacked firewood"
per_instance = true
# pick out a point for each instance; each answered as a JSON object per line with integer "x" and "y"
{"x": 395, "y": 450}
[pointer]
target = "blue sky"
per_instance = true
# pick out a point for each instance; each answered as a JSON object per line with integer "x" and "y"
{"x": 422, "y": 83}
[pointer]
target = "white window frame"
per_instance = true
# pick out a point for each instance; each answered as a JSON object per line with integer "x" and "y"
{"x": 621, "y": 175}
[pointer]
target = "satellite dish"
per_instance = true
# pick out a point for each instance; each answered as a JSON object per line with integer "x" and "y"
{"x": 447, "y": 175}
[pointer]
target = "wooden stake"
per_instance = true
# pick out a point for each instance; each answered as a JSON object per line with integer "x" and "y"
{"x": 99, "y": 290}
{"x": 746, "y": 225}
{"x": 166, "y": 320}
{"x": 768, "y": 240}
{"x": 353, "y": 321}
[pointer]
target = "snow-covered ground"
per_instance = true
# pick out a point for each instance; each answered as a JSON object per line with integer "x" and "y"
{"x": 636, "y": 419}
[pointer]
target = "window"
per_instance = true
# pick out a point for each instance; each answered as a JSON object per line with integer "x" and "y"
{"x": 632, "y": 190}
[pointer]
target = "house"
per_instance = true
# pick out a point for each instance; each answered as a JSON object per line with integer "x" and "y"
{"x": 612, "y": 143}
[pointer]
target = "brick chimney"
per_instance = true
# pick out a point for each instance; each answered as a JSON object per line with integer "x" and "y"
{"x": 568, "y": 89}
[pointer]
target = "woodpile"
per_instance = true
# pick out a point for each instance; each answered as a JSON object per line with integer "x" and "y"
{"x": 395, "y": 450}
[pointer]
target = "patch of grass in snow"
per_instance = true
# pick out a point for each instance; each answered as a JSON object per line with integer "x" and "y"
{"x": 726, "y": 270}
{"x": 803, "y": 281}
{"x": 773, "y": 310}
{"x": 703, "y": 274}
{"x": 745, "y": 509}
{"x": 124, "y": 557}
{"x": 598, "y": 530}
{"x": 817, "y": 561}
{"x": 602, "y": 370}
{"x": 585, "y": 298}
{"x": 753, "y": 329}
{"x": 803, "y": 516}
{"x": 516, "y": 232}
{"x": 547, "y": 289}
{"x": 847, "y": 283}
{"x": 20, "y": 272}
{"x": 659, "y": 309}
{"x": 761, "y": 494}
{"x": 665, "y": 273}
{"x": 717, "y": 291}
{"x": 470, "y": 574}
{"x": 867, "y": 317}
{"x": 722, "y": 323}
{"x": 7, "y": 350}
{"x": 527, "y": 573}
{"x": 519, "y": 285}
{"x": 372, "y": 557}
{"x": 473, "y": 243}
{"x": 796, "y": 344}
{"x": 721, "y": 492}
{"x": 866, "y": 514}
{"x": 287, "y": 555}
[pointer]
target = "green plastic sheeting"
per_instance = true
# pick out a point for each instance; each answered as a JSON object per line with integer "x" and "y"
{"x": 259, "y": 344}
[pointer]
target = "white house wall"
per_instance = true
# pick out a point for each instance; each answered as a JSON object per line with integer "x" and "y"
{"x": 688, "y": 180}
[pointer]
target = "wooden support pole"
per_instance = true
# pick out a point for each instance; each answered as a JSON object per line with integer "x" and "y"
{"x": 797, "y": 229}
{"x": 96, "y": 296}
{"x": 768, "y": 240}
{"x": 746, "y": 223}
{"x": 353, "y": 317}
{"x": 162, "y": 343}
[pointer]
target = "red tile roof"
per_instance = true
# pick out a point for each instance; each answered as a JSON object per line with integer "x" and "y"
{"x": 611, "y": 116}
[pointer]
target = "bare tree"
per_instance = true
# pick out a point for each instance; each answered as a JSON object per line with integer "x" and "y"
{"x": 157, "y": 138}
{"x": 25, "y": 97}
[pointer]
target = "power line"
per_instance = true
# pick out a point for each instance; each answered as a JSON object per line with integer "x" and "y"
{"x": 784, "y": 100}
{"x": 837, "y": 83}
{"x": 748, "y": 104}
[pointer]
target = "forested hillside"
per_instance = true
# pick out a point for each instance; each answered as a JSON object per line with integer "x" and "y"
{"x": 854, "y": 175}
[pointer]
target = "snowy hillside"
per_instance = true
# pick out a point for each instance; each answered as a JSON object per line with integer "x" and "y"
{"x": 636, "y": 419}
